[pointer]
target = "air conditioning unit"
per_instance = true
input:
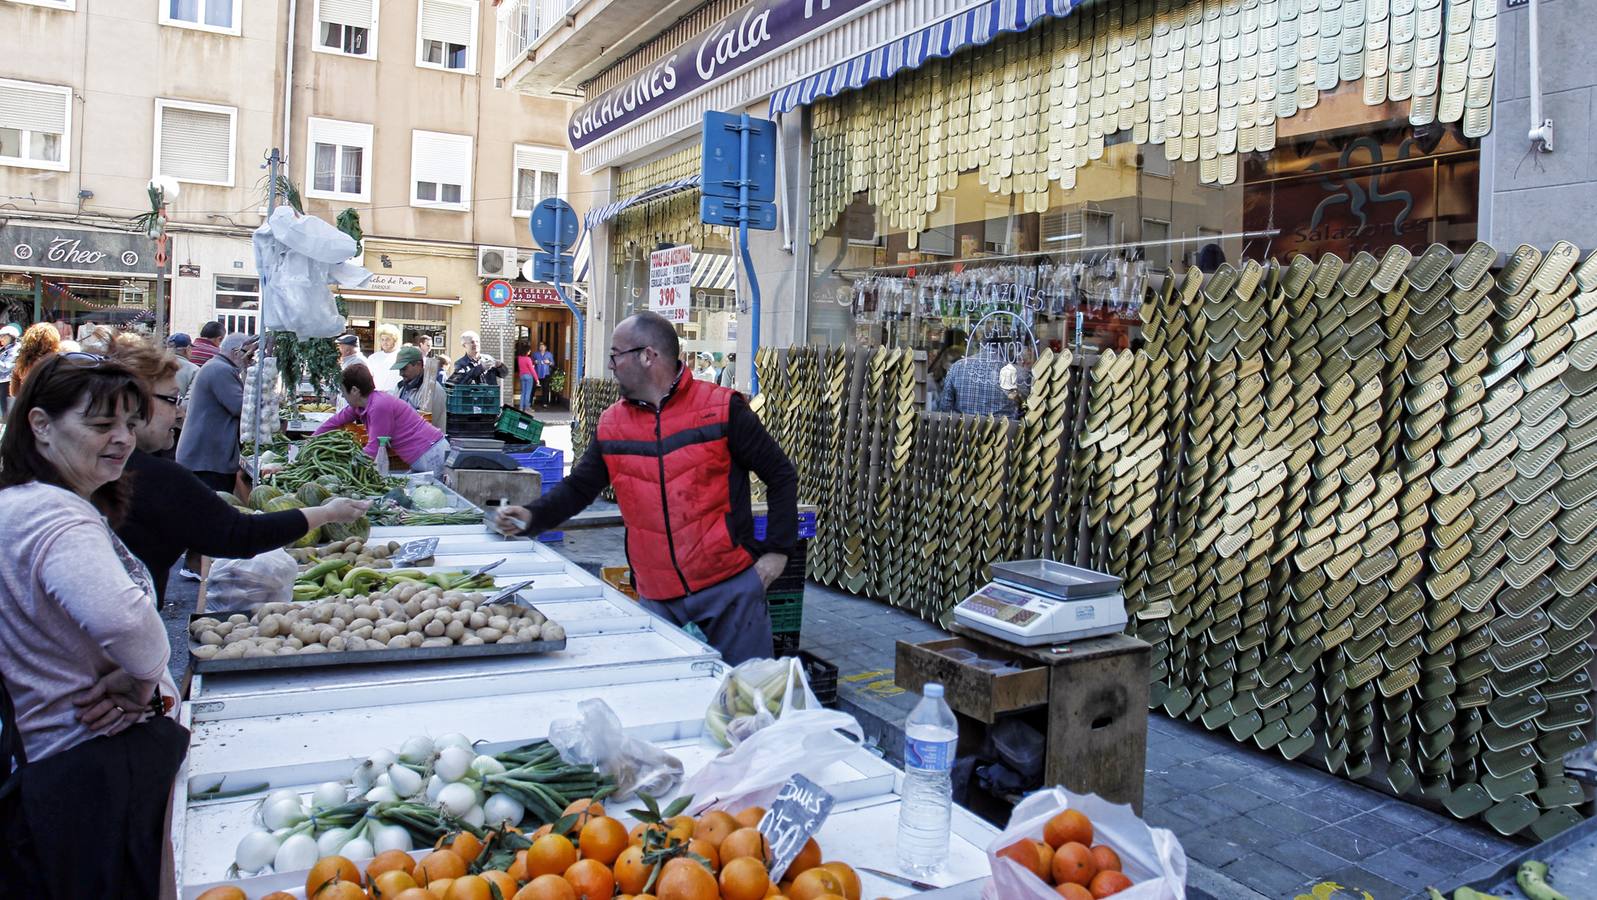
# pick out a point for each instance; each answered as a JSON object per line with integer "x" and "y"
{"x": 497, "y": 262}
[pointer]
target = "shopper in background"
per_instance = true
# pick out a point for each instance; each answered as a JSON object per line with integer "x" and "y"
{"x": 421, "y": 387}
{"x": 206, "y": 345}
{"x": 37, "y": 342}
{"x": 952, "y": 351}
{"x": 63, "y": 329}
{"x": 10, "y": 344}
{"x": 704, "y": 368}
{"x": 97, "y": 340}
{"x": 678, "y": 452}
{"x": 349, "y": 351}
{"x": 86, "y": 701}
{"x": 186, "y": 369}
{"x": 543, "y": 363}
{"x": 381, "y": 360}
{"x": 729, "y": 372}
{"x": 421, "y": 446}
{"x": 209, "y": 447}
{"x": 975, "y": 387}
{"x": 475, "y": 366}
{"x": 527, "y": 372}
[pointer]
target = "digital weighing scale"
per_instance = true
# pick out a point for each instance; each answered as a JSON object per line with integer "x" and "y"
{"x": 1039, "y": 601}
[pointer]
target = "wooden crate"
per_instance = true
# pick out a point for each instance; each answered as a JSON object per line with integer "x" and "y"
{"x": 975, "y": 692}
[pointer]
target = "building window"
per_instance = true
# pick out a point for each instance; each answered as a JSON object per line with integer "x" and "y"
{"x": 540, "y": 174}
{"x": 35, "y": 124}
{"x": 1156, "y": 241}
{"x": 194, "y": 141}
{"x": 446, "y": 35}
{"x": 1154, "y": 162}
{"x": 336, "y": 159}
{"x": 238, "y": 303}
{"x": 347, "y": 26}
{"x": 207, "y": 15}
{"x": 440, "y": 170}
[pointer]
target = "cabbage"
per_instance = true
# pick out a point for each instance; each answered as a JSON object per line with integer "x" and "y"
{"x": 429, "y": 496}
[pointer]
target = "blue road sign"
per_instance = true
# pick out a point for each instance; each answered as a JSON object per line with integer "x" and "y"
{"x": 554, "y": 225}
{"x": 723, "y": 157}
{"x": 720, "y": 211}
{"x": 553, "y": 268}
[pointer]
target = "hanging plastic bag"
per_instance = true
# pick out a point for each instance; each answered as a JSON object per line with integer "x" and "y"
{"x": 802, "y": 742}
{"x": 754, "y": 695}
{"x": 595, "y": 739}
{"x": 298, "y": 257}
{"x": 239, "y": 585}
{"x": 1151, "y": 857}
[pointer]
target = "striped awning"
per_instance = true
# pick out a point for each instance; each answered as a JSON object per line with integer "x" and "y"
{"x": 584, "y": 257}
{"x": 972, "y": 27}
{"x": 601, "y": 214}
{"x": 714, "y": 271}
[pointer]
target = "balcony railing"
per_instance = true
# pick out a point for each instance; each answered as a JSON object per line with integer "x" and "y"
{"x": 521, "y": 24}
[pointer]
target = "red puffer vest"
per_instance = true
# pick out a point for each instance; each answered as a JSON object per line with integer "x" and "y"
{"x": 671, "y": 470}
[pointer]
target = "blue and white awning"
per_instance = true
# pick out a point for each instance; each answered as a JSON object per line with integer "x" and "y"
{"x": 714, "y": 271}
{"x": 601, "y": 214}
{"x": 973, "y": 27}
{"x": 584, "y": 257}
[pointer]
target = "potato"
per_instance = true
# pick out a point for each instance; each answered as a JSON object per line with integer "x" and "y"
{"x": 399, "y": 642}
{"x": 490, "y": 635}
{"x": 294, "y": 642}
{"x": 327, "y": 633}
{"x": 430, "y": 603}
{"x": 363, "y": 632}
{"x": 553, "y": 632}
{"x": 434, "y": 642}
{"x": 434, "y": 629}
{"x": 412, "y": 607}
{"x": 337, "y": 642}
{"x": 210, "y": 639}
{"x": 287, "y": 650}
{"x": 202, "y": 624}
{"x": 414, "y": 627}
{"x": 205, "y": 651}
{"x": 379, "y": 634}
{"x": 471, "y": 640}
{"x": 367, "y": 611}
{"x": 478, "y": 620}
{"x": 510, "y": 639}
{"x": 455, "y": 631}
{"x": 238, "y": 619}
{"x": 223, "y": 628}
{"x": 345, "y": 611}
{"x": 499, "y": 623}
{"x": 468, "y": 605}
{"x": 313, "y": 648}
{"x": 531, "y": 633}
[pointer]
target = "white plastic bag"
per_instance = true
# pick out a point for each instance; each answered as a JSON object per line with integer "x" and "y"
{"x": 754, "y": 695}
{"x": 239, "y": 585}
{"x": 596, "y": 739}
{"x": 297, "y": 257}
{"x": 1151, "y": 857}
{"x": 802, "y": 742}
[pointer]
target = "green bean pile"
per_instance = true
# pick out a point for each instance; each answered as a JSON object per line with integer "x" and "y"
{"x": 338, "y": 455}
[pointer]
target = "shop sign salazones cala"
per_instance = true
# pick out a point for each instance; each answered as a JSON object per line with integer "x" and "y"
{"x": 728, "y": 45}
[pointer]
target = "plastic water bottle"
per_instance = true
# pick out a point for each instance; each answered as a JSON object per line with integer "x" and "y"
{"x": 382, "y": 456}
{"x": 930, "y": 734}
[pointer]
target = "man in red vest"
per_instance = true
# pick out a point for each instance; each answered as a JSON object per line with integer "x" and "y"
{"x": 678, "y": 452}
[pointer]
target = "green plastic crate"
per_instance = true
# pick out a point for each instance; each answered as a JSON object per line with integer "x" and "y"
{"x": 519, "y": 425}
{"x": 473, "y": 399}
{"x": 787, "y": 612}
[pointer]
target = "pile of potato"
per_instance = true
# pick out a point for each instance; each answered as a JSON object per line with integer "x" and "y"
{"x": 357, "y": 552}
{"x": 404, "y": 617}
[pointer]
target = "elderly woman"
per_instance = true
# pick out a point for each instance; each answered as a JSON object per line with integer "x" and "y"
{"x": 381, "y": 360}
{"x": 89, "y": 724}
{"x": 38, "y": 341}
{"x": 209, "y": 446}
{"x": 171, "y": 510}
{"x": 420, "y": 445}
{"x": 475, "y": 366}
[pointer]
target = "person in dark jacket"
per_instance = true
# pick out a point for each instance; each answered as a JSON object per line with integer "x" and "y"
{"x": 172, "y": 511}
{"x": 678, "y": 452}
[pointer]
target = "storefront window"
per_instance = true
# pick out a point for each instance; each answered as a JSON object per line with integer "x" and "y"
{"x": 238, "y": 304}
{"x": 84, "y": 301}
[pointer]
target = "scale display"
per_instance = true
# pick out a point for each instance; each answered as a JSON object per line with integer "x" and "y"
{"x": 1029, "y": 618}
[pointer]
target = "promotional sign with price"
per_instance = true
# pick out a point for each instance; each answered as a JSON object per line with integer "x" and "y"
{"x": 799, "y": 810}
{"x": 671, "y": 282}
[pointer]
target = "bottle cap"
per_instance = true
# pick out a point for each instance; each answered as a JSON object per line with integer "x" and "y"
{"x": 933, "y": 690}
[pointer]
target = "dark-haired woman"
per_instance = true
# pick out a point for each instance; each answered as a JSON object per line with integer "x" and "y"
{"x": 89, "y": 709}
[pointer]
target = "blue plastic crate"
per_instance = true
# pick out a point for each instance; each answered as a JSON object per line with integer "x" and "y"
{"x": 550, "y": 464}
{"x": 806, "y": 526}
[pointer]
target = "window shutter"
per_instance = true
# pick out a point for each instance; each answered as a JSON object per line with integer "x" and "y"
{"x": 196, "y": 145}
{"x": 534, "y": 158}
{"x": 33, "y": 109}
{"x": 348, "y": 12}
{"x": 441, "y": 158}
{"x": 346, "y": 134}
{"x": 447, "y": 22}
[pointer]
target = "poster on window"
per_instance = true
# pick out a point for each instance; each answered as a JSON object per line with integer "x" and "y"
{"x": 671, "y": 282}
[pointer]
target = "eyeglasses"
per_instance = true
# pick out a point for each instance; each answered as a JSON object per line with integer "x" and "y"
{"x": 614, "y": 354}
{"x": 169, "y": 398}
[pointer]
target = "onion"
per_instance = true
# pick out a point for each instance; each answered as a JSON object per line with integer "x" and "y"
{"x": 474, "y": 817}
{"x": 331, "y": 840}
{"x": 256, "y": 851}
{"x": 297, "y": 853}
{"x": 453, "y": 739}
{"x": 279, "y": 795}
{"x": 390, "y": 837}
{"x": 457, "y": 799}
{"x": 329, "y": 794}
{"x": 452, "y": 763}
{"x": 382, "y": 759}
{"x": 383, "y": 780}
{"x": 434, "y": 785}
{"x": 285, "y": 812}
{"x": 381, "y": 793}
{"x": 405, "y": 782}
{"x": 362, "y": 776}
{"x": 359, "y": 848}
{"x": 417, "y": 750}
{"x": 503, "y": 810}
{"x": 487, "y": 765}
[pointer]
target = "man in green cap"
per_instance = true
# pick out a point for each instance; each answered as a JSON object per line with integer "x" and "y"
{"x": 417, "y": 386}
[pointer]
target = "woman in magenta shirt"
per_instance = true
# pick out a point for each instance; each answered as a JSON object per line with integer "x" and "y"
{"x": 528, "y": 374}
{"x": 421, "y": 446}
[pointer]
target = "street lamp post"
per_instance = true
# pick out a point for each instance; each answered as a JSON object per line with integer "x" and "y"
{"x": 163, "y": 190}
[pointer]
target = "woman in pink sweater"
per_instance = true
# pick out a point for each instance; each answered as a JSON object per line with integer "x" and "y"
{"x": 421, "y": 446}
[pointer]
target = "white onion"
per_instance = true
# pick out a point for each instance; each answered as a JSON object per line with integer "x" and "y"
{"x": 255, "y": 851}
{"x": 452, "y": 763}
{"x": 434, "y": 785}
{"x": 475, "y": 817}
{"x": 359, "y": 848}
{"x": 381, "y": 793}
{"x": 453, "y": 739}
{"x": 405, "y": 782}
{"x": 297, "y": 853}
{"x": 457, "y": 799}
{"x": 329, "y": 794}
{"x": 383, "y": 780}
{"x": 362, "y": 776}
{"x": 487, "y": 765}
{"x": 285, "y": 812}
{"x": 390, "y": 837}
{"x": 417, "y": 750}
{"x": 279, "y": 795}
{"x": 382, "y": 759}
{"x": 501, "y": 810}
{"x": 331, "y": 840}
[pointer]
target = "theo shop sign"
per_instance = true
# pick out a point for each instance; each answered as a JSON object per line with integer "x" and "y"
{"x": 34, "y": 248}
{"x": 728, "y": 45}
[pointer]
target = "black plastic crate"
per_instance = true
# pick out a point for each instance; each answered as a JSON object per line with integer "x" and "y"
{"x": 785, "y": 643}
{"x": 822, "y": 676}
{"x": 471, "y": 426}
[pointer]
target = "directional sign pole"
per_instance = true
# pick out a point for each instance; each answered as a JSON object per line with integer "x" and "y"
{"x": 582, "y": 330}
{"x": 748, "y": 261}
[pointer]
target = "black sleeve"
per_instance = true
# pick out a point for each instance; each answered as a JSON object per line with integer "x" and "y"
{"x": 572, "y": 495}
{"x": 209, "y": 525}
{"x": 754, "y": 449}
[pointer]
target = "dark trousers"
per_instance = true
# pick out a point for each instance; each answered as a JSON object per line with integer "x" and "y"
{"x": 732, "y": 614}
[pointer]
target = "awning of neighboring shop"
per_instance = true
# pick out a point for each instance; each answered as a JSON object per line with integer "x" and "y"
{"x": 714, "y": 271}
{"x": 601, "y": 214}
{"x": 972, "y": 27}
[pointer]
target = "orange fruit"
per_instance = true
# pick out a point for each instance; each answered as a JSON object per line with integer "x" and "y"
{"x": 274, "y": 895}
{"x": 1073, "y": 863}
{"x": 467, "y": 846}
{"x": 1068, "y": 826}
{"x": 812, "y": 883}
{"x": 591, "y": 879}
{"x": 684, "y": 879}
{"x": 602, "y": 839}
{"x": 389, "y": 861}
{"x": 330, "y": 869}
{"x": 416, "y": 893}
{"x": 391, "y": 883}
{"x": 745, "y": 878}
{"x": 1108, "y": 882}
{"x": 440, "y": 887}
{"x": 631, "y": 871}
{"x": 469, "y": 887}
{"x": 542, "y": 830}
{"x": 225, "y": 892}
{"x": 845, "y": 874}
{"x": 1105, "y": 857}
{"x": 1046, "y": 854}
{"x": 1071, "y": 891}
{"x": 547, "y": 887}
{"x": 809, "y": 856}
{"x": 703, "y": 848}
{"x": 750, "y": 818}
{"x": 341, "y": 890}
{"x": 584, "y": 809}
{"x": 830, "y": 897}
{"x": 438, "y": 864}
{"x": 745, "y": 842}
{"x": 681, "y": 827}
{"x": 518, "y": 869}
{"x": 635, "y": 836}
{"x": 715, "y": 826}
{"x": 507, "y": 885}
{"x": 551, "y": 854}
{"x": 1025, "y": 854}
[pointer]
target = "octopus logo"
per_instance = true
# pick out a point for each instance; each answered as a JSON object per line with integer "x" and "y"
{"x": 1347, "y": 189}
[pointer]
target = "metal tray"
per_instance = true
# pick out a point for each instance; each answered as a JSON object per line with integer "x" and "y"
{"x": 1055, "y": 578}
{"x": 364, "y": 657}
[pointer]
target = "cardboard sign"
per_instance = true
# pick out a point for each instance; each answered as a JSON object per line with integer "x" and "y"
{"x": 800, "y": 809}
{"x": 671, "y": 282}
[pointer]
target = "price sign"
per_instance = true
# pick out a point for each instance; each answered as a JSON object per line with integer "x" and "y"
{"x": 800, "y": 809}
{"x": 671, "y": 282}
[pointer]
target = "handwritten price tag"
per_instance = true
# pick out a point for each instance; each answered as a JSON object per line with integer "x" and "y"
{"x": 800, "y": 809}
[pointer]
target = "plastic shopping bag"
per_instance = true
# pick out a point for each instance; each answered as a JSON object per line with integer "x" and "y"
{"x": 802, "y": 742}
{"x": 240, "y": 585}
{"x": 1151, "y": 857}
{"x": 596, "y": 739}
{"x": 754, "y": 695}
{"x": 297, "y": 257}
